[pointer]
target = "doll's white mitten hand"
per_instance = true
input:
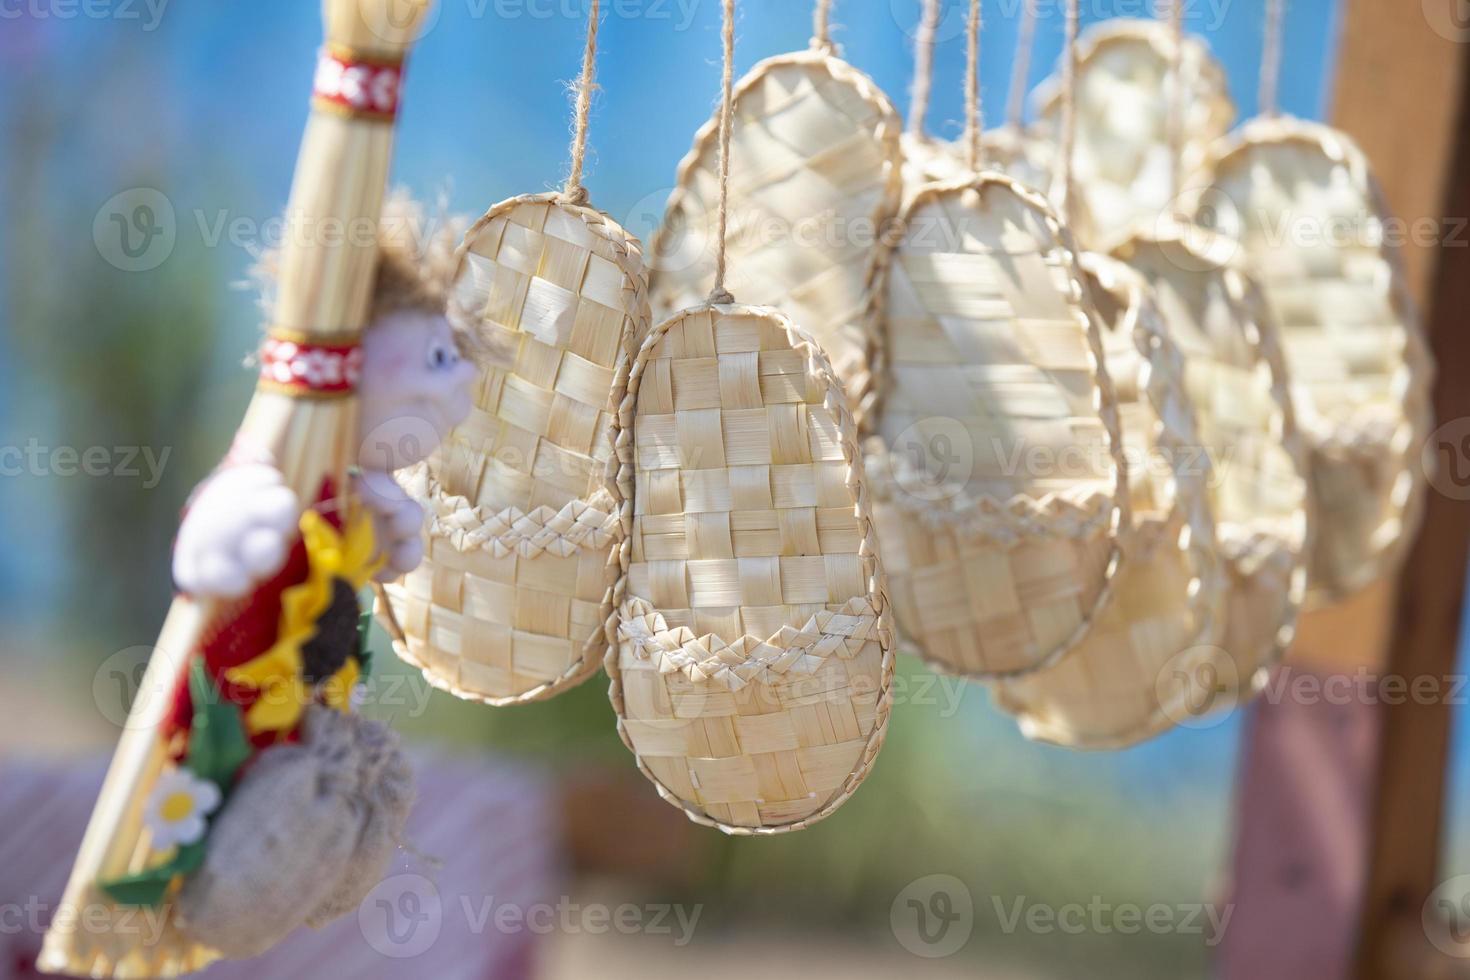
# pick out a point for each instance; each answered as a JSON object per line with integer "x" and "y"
{"x": 397, "y": 521}
{"x": 237, "y": 532}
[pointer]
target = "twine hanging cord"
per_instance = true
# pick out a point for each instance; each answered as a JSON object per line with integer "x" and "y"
{"x": 1021, "y": 66}
{"x": 822, "y": 26}
{"x": 1271, "y": 57}
{"x": 973, "y": 121}
{"x": 1063, "y": 193}
{"x": 573, "y": 192}
{"x": 719, "y": 294}
{"x": 923, "y": 67}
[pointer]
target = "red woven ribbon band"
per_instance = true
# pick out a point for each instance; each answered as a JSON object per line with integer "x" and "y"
{"x": 296, "y": 366}
{"x": 357, "y": 85}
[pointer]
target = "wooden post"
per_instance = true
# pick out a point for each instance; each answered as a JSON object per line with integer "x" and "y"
{"x": 1409, "y": 797}
{"x": 1341, "y": 804}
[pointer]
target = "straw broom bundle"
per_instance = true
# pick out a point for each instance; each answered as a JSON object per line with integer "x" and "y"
{"x": 325, "y": 287}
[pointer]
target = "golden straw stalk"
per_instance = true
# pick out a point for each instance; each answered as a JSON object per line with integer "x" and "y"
{"x": 326, "y": 275}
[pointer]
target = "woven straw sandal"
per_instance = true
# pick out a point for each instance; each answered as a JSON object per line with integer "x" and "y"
{"x": 513, "y": 601}
{"x": 752, "y": 674}
{"x": 1236, "y": 379}
{"x": 1123, "y": 152}
{"x": 815, "y": 156}
{"x": 1359, "y": 365}
{"x": 1122, "y": 684}
{"x": 997, "y": 470}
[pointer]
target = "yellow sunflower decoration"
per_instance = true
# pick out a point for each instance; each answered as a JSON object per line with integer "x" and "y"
{"x": 334, "y": 558}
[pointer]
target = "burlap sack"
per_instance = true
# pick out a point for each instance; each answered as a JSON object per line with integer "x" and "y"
{"x": 385, "y": 788}
{"x": 306, "y": 833}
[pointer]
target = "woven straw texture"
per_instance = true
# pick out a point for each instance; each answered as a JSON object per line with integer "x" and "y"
{"x": 997, "y": 467}
{"x": 1123, "y": 157}
{"x": 1139, "y": 670}
{"x": 752, "y": 677}
{"x": 1031, "y": 159}
{"x": 1310, "y": 218}
{"x": 814, "y": 179}
{"x": 927, "y": 160}
{"x": 1237, "y": 383}
{"x": 514, "y": 597}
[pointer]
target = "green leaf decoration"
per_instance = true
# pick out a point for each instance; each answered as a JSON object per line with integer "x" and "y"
{"x": 150, "y": 886}
{"x": 218, "y": 745}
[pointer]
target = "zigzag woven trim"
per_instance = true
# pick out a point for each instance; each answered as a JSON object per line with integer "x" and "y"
{"x": 986, "y": 518}
{"x": 591, "y": 523}
{"x": 708, "y": 658}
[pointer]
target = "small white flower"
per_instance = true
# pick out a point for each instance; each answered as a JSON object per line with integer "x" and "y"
{"x": 176, "y": 810}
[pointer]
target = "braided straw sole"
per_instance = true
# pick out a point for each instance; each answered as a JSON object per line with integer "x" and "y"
{"x": 814, "y": 180}
{"x": 513, "y": 601}
{"x": 1121, "y": 684}
{"x": 1236, "y": 380}
{"x": 753, "y": 674}
{"x": 1361, "y": 369}
{"x": 1123, "y": 176}
{"x": 996, "y": 353}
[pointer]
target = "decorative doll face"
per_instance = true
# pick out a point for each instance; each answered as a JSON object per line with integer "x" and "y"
{"x": 415, "y": 387}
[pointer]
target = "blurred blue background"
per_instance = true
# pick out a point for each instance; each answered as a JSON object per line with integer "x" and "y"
{"x": 205, "y": 102}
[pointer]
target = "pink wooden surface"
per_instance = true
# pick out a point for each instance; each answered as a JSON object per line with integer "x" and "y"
{"x": 1302, "y": 813}
{"x": 487, "y": 837}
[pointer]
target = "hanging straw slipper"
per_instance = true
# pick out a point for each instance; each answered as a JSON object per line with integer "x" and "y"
{"x": 752, "y": 674}
{"x": 1237, "y": 384}
{"x": 1121, "y": 684}
{"x": 513, "y": 600}
{"x": 814, "y": 180}
{"x": 1123, "y": 156}
{"x": 1352, "y": 339}
{"x": 998, "y": 471}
